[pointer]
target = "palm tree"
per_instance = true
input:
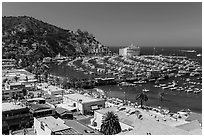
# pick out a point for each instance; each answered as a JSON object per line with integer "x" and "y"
{"x": 24, "y": 92}
{"x": 26, "y": 78}
{"x": 143, "y": 97}
{"x": 110, "y": 124}
{"x": 16, "y": 78}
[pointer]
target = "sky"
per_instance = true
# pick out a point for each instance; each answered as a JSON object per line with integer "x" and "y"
{"x": 121, "y": 24}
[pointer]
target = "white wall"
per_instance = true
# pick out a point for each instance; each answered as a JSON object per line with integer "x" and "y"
{"x": 84, "y": 106}
{"x": 87, "y": 106}
{"x": 39, "y": 131}
{"x": 98, "y": 119}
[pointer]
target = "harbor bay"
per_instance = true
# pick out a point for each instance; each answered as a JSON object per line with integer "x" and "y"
{"x": 183, "y": 96}
{"x": 102, "y": 68}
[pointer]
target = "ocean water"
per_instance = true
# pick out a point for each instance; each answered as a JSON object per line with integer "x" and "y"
{"x": 169, "y": 51}
{"x": 174, "y": 100}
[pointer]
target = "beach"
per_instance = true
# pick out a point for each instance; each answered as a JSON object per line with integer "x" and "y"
{"x": 175, "y": 100}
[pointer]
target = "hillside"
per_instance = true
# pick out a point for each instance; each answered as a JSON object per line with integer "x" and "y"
{"x": 29, "y": 39}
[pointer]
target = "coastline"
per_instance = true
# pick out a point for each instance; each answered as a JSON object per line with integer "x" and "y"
{"x": 172, "y": 97}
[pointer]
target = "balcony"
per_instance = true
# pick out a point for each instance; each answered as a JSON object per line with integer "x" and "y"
{"x": 17, "y": 116}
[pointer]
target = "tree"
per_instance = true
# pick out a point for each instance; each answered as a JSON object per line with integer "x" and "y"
{"x": 16, "y": 78}
{"x": 24, "y": 91}
{"x": 110, "y": 124}
{"x": 26, "y": 78}
{"x": 143, "y": 97}
{"x": 5, "y": 80}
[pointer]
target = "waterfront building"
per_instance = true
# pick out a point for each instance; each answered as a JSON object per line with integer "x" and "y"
{"x": 135, "y": 122}
{"x": 51, "y": 126}
{"x": 130, "y": 51}
{"x": 15, "y": 116}
{"x": 85, "y": 104}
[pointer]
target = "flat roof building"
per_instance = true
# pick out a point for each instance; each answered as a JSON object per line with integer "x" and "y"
{"x": 18, "y": 77}
{"x": 22, "y": 74}
{"x": 82, "y": 129}
{"x": 131, "y": 124}
{"x": 57, "y": 99}
{"x": 130, "y": 51}
{"x": 85, "y": 104}
{"x": 50, "y": 89}
{"x": 51, "y": 126}
{"x": 15, "y": 116}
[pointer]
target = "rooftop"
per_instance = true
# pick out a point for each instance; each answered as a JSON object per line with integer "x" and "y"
{"x": 47, "y": 87}
{"x": 77, "y": 97}
{"x": 61, "y": 110}
{"x": 37, "y": 107}
{"x": 53, "y": 124}
{"x": 80, "y": 127}
{"x": 16, "y": 71}
{"x": 11, "y": 106}
{"x": 144, "y": 126}
{"x": 35, "y": 99}
{"x": 141, "y": 127}
{"x": 66, "y": 106}
{"x": 69, "y": 131}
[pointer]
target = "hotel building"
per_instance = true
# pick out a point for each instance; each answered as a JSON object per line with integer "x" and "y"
{"x": 130, "y": 51}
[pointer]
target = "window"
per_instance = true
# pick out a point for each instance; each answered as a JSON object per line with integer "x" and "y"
{"x": 42, "y": 126}
{"x": 50, "y": 112}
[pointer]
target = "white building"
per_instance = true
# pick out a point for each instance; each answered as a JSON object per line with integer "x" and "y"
{"x": 21, "y": 75}
{"x": 84, "y": 104}
{"x": 51, "y": 126}
{"x": 133, "y": 124}
{"x": 50, "y": 89}
{"x": 130, "y": 51}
